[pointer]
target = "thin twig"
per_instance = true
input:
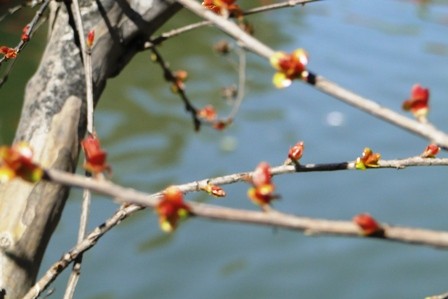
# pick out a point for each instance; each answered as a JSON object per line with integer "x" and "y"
{"x": 286, "y": 4}
{"x": 107, "y": 188}
{"x": 23, "y": 42}
{"x": 89, "y": 95}
{"x": 252, "y": 44}
{"x": 241, "y": 83}
{"x": 12, "y": 10}
{"x": 172, "y": 33}
{"x": 76, "y": 269}
{"x": 169, "y": 76}
{"x": 175, "y": 32}
{"x": 87, "y": 59}
{"x": 230, "y": 28}
{"x": 78, "y": 250}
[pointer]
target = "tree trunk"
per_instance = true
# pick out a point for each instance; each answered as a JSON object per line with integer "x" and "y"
{"x": 53, "y": 122}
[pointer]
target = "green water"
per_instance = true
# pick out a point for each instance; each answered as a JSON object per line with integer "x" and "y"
{"x": 376, "y": 48}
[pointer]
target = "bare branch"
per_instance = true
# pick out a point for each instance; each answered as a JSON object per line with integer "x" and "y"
{"x": 290, "y": 3}
{"x": 134, "y": 200}
{"x": 76, "y": 251}
{"x": 252, "y": 44}
{"x": 241, "y": 83}
{"x": 169, "y": 76}
{"x": 175, "y": 32}
{"x": 441, "y": 296}
{"x": 130, "y": 196}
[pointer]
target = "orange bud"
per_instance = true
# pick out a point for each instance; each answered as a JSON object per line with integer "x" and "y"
{"x": 16, "y": 161}
{"x": 9, "y": 53}
{"x": 296, "y": 152}
{"x": 262, "y": 175}
{"x": 208, "y": 113}
{"x": 181, "y": 75}
{"x": 95, "y": 155}
{"x": 25, "y": 33}
{"x": 418, "y": 102}
{"x": 262, "y": 195}
{"x": 262, "y": 190}
{"x": 90, "y": 38}
{"x": 289, "y": 67}
{"x": 368, "y": 225}
{"x": 214, "y": 190}
{"x": 171, "y": 208}
{"x": 367, "y": 160}
{"x": 210, "y": 5}
{"x": 223, "y": 7}
{"x": 431, "y": 151}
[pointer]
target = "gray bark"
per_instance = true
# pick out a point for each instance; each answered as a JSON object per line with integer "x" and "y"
{"x": 53, "y": 122}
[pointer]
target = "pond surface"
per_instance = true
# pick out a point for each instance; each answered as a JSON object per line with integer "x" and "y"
{"x": 378, "y": 49}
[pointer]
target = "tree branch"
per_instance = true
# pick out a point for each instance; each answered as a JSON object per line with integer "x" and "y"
{"x": 130, "y": 196}
{"x": 134, "y": 201}
{"x": 175, "y": 32}
{"x": 78, "y": 250}
{"x": 319, "y": 82}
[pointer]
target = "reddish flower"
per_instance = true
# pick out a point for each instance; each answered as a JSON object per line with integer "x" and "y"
{"x": 214, "y": 190}
{"x": 368, "y": 159}
{"x": 262, "y": 195}
{"x": 262, "y": 190}
{"x": 171, "y": 208}
{"x": 262, "y": 174}
{"x": 95, "y": 155}
{"x": 296, "y": 152}
{"x": 208, "y": 113}
{"x": 368, "y": 225}
{"x": 16, "y": 161}
{"x": 289, "y": 66}
{"x": 223, "y": 7}
{"x": 9, "y": 53}
{"x": 431, "y": 151}
{"x": 25, "y": 33}
{"x": 90, "y": 38}
{"x": 211, "y": 5}
{"x": 418, "y": 102}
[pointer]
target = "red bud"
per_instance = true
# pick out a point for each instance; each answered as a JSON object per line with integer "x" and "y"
{"x": 368, "y": 225}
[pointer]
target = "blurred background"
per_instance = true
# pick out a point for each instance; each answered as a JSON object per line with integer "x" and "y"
{"x": 378, "y": 49}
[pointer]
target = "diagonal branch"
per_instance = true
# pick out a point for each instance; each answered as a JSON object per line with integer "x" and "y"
{"x": 285, "y": 4}
{"x": 175, "y": 32}
{"x": 320, "y": 83}
{"x": 70, "y": 256}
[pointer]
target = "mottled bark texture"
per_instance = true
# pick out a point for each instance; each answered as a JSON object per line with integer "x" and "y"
{"x": 53, "y": 122}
